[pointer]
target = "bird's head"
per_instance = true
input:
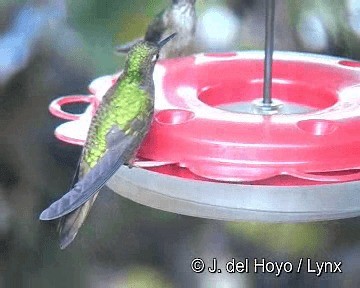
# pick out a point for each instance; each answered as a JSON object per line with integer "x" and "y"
{"x": 143, "y": 55}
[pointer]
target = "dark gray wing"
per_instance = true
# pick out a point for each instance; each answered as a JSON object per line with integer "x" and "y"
{"x": 156, "y": 29}
{"x": 120, "y": 149}
{"x": 125, "y": 48}
{"x": 154, "y": 34}
{"x": 76, "y": 174}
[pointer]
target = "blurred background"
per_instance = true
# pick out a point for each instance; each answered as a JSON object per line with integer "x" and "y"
{"x": 51, "y": 48}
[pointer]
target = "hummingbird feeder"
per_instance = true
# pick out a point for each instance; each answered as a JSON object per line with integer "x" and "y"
{"x": 217, "y": 149}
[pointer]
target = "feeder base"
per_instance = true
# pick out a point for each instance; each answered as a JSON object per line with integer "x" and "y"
{"x": 237, "y": 202}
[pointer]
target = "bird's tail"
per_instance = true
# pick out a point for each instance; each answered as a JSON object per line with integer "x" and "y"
{"x": 70, "y": 224}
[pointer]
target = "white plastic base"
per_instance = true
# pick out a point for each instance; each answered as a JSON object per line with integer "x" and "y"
{"x": 237, "y": 202}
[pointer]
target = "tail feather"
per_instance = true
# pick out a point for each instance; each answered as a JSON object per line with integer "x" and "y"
{"x": 70, "y": 224}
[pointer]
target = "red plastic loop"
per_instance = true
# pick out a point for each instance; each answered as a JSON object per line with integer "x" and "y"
{"x": 55, "y": 107}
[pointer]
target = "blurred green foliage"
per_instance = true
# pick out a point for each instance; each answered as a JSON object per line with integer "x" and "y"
{"x": 292, "y": 239}
{"x": 143, "y": 276}
{"x": 103, "y": 25}
{"x": 334, "y": 15}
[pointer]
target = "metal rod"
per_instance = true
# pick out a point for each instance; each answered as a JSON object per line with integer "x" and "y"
{"x": 269, "y": 49}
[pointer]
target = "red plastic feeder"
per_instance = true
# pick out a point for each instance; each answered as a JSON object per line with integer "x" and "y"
{"x": 225, "y": 160}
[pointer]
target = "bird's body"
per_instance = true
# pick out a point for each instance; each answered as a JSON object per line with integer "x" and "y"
{"x": 179, "y": 17}
{"x": 115, "y": 134}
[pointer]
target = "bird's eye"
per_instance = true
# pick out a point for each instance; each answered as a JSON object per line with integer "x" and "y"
{"x": 155, "y": 58}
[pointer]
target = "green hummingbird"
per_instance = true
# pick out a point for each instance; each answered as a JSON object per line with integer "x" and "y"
{"x": 179, "y": 17}
{"x": 115, "y": 135}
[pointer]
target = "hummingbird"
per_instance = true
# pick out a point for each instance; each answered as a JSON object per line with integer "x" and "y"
{"x": 179, "y": 17}
{"x": 115, "y": 135}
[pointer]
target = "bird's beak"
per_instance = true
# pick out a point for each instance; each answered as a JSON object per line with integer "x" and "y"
{"x": 167, "y": 39}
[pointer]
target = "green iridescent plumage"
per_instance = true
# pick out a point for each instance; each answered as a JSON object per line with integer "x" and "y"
{"x": 121, "y": 110}
{"x": 115, "y": 134}
{"x": 125, "y": 103}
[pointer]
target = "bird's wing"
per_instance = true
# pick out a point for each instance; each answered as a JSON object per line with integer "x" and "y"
{"x": 155, "y": 30}
{"x": 120, "y": 148}
{"x": 75, "y": 178}
{"x": 154, "y": 34}
{"x": 125, "y": 48}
